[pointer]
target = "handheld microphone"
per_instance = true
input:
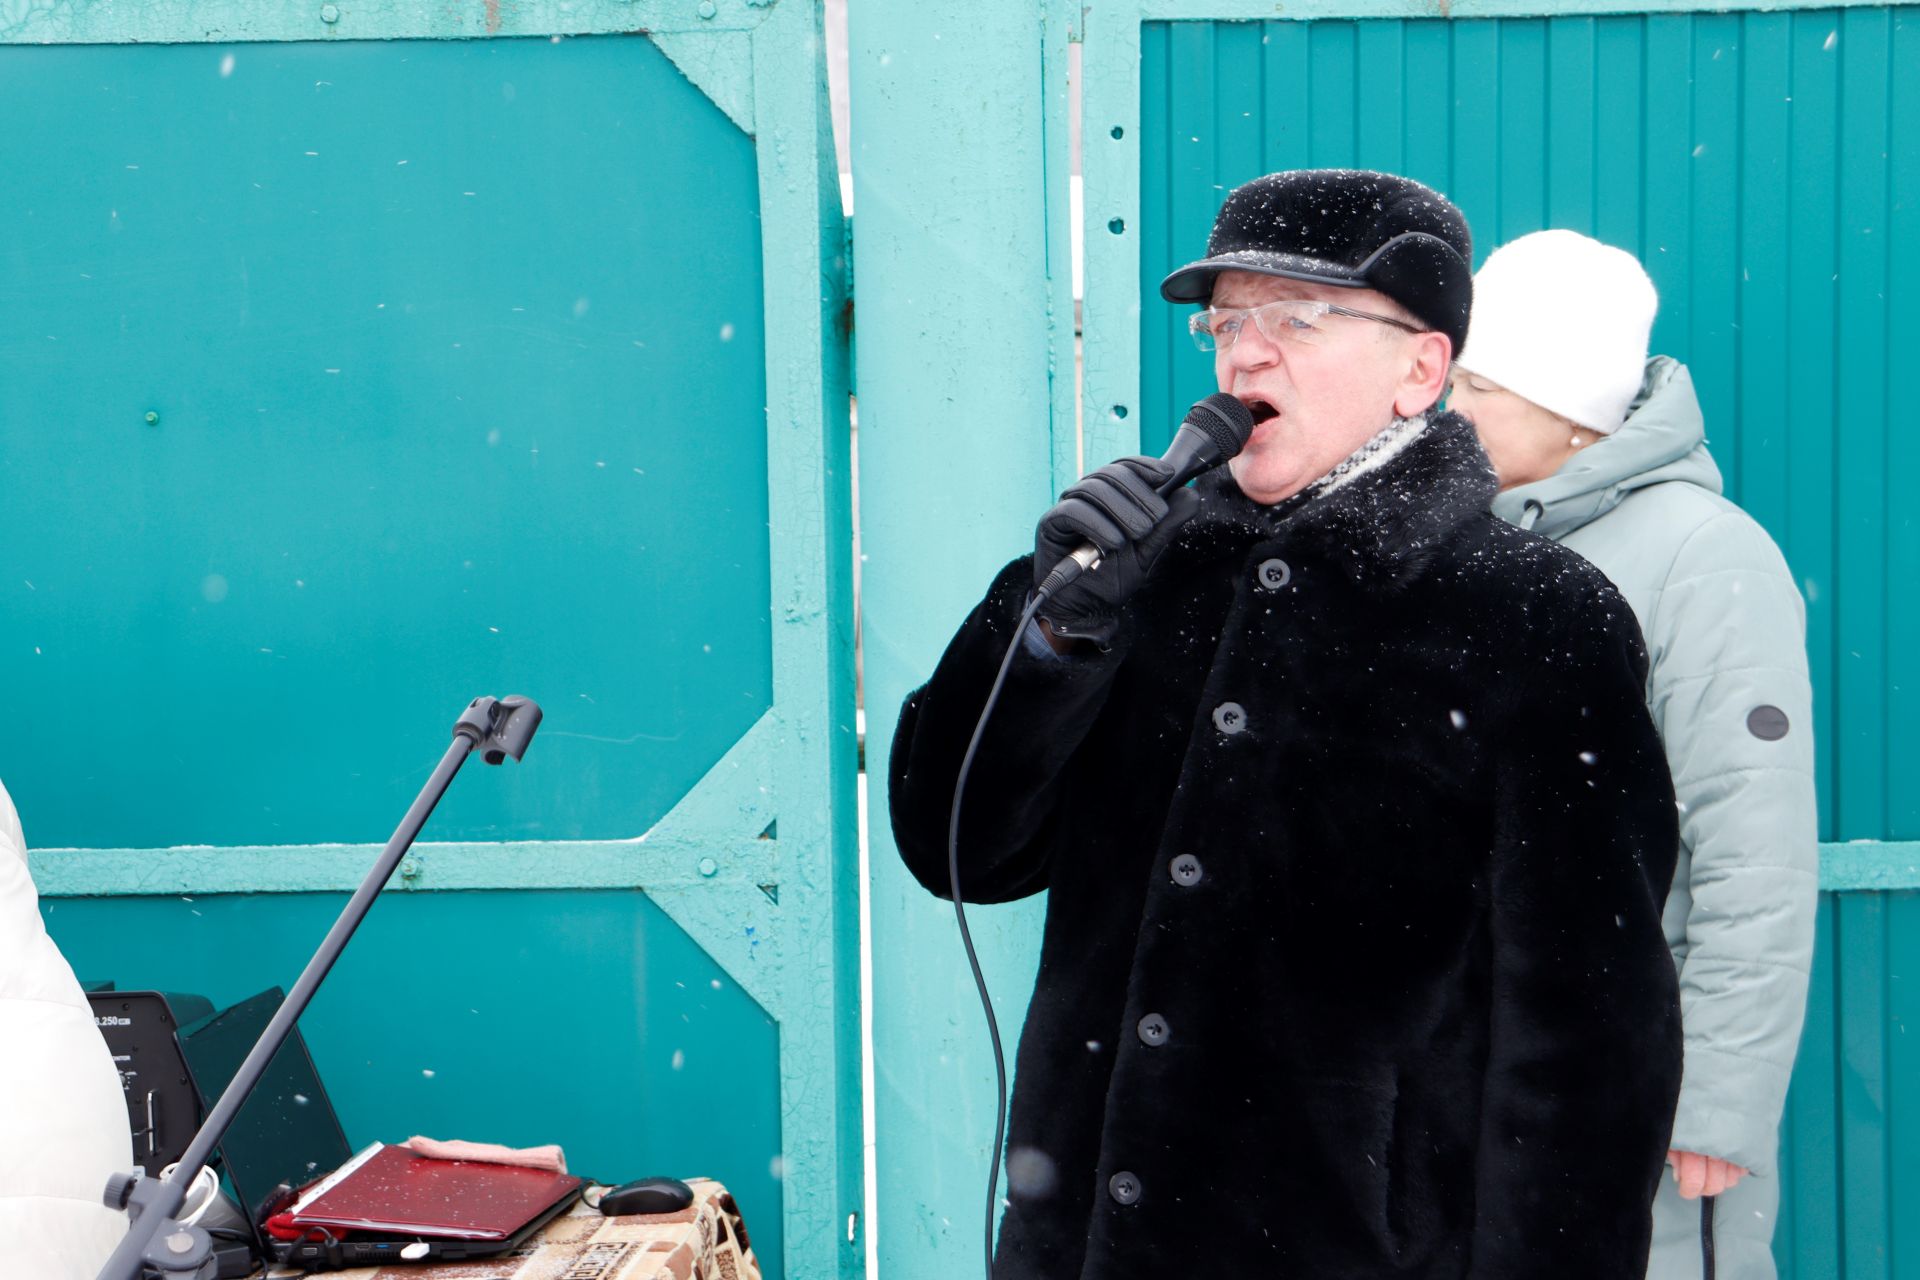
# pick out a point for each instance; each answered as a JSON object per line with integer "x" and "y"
{"x": 1213, "y": 431}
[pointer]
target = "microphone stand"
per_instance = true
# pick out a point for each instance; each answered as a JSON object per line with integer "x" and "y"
{"x": 496, "y": 728}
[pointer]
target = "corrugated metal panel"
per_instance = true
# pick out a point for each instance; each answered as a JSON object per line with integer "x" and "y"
{"x": 1765, "y": 167}
{"x": 1851, "y": 1196}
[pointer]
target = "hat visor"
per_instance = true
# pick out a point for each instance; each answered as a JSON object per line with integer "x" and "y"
{"x": 1194, "y": 282}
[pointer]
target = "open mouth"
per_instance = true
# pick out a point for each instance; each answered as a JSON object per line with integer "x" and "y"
{"x": 1261, "y": 410}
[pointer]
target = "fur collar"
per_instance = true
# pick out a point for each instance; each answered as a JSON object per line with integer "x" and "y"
{"x": 1380, "y": 514}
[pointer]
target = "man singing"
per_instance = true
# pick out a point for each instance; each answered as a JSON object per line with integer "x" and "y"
{"x": 1353, "y": 821}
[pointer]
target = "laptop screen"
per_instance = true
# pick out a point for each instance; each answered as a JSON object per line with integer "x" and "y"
{"x": 286, "y": 1134}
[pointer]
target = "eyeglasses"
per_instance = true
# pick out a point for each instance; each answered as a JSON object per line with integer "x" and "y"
{"x": 1288, "y": 322}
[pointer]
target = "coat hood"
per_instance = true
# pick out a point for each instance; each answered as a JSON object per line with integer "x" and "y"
{"x": 1662, "y": 440}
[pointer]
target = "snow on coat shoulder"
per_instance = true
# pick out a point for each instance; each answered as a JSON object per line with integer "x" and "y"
{"x": 63, "y": 1120}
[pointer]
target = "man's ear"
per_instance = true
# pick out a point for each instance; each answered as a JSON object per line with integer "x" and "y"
{"x": 1425, "y": 380}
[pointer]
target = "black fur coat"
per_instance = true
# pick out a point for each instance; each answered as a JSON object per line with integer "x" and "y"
{"x": 1356, "y": 845}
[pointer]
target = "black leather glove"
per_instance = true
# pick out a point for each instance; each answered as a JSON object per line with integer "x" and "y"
{"x": 1116, "y": 509}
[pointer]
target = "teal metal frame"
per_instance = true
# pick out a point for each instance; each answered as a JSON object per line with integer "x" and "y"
{"x": 780, "y": 915}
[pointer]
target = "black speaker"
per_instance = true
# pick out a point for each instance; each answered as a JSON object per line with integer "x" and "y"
{"x": 141, "y": 1029}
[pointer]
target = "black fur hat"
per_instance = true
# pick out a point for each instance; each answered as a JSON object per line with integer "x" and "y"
{"x": 1351, "y": 228}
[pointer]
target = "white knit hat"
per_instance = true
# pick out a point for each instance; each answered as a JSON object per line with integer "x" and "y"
{"x": 1563, "y": 320}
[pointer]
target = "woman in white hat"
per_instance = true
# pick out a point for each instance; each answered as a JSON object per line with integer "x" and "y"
{"x": 1603, "y": 449}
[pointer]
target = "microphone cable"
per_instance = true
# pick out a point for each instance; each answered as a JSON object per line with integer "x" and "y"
{"x": 1214, "y": 430}
{"x": 960, "y": 913}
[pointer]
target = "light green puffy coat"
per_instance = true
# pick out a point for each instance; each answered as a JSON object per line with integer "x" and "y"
{"x": 1725, "y": 631}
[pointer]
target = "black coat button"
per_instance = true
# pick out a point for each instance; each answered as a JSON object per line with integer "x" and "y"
{"x": 1153, "y": 1029}
{"x": 1275, "y": 574}
{"x": 1186, "y": 870}
{"x": 1124, "y": 1187}
{"x": 1230, "y": 717}
{"x": 1767, "y": 723}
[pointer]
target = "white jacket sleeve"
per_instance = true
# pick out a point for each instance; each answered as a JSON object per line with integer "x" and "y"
{"x": 63, "y": 1117}
{"x": 1731, "y": 698}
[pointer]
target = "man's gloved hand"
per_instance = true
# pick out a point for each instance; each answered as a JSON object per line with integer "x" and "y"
{"x": 1116, "y": 509}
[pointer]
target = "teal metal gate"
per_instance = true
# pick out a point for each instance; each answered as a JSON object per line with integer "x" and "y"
{"x": 350, "y": 368}
{"x": 1766, "y": 168}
